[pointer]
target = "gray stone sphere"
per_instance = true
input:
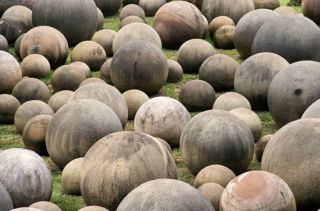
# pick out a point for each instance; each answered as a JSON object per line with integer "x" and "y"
{"x": 134, "y": 98}
{"x": 105, "y": 38}
{"x": 150, "y": 7}
{"x": 35, "y": 65}
{"x": 81, "y": 66}
{"x": 59, "y": 99}
{"x": 212, "y": 192}
{"x": 267, "y": 4}
{"x": 132, "y": 10}
{"x": 130, "y": 19}
{"x": 45, "y": 206}
{"x": 70, "y": 178}
{"x": 6, "y": 202}
{"x": 223, "y": 37}
{"x": 313, "y": 111}
{"x": 109, "y": 7}
{"x": 8, "y": 107}
{"x": 231, "y": 100}
{"x": 217, "y": 22}
{"x": 175, "y": 71}
{"x": 105, "y": 72}
{"x": 261, "y": 145}
{"x": 4, "y": 45}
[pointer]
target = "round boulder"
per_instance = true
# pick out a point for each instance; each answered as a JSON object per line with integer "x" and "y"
{"x": 21, "y": 14}
{"x": 6, "y": 202}
{"x": 267, "y": 4}
{"x": 310, "y": 9}
{"x": 35, "y": 65}
{"x": 17, "y": 46}
{"x": 70, "y": 178}
{"x": 4, "y": 46}
{"x": 59, "y": 99}
{"x": 175, "y": 71}
{"x": 217, "y": 22}
{"x": 81, "y": 66}
{"x": 130, "y": 19}
{"x": 212, "y": 192}
{"x": 231, "y": 100}
{"x": 105, "y": 72}
{"x": 134, "y": 98}
{"x": 105, "y": 38}
{"x": 150, "y": 7}
{"x": 8, "y": 107}
{"x": 261, "y": 145}
{"x": 132, "y": 10}
{"x": 109, "y": 7}
{"x": 223, "y": 37}
{"x": 4, "y": 5}
{"x": 313, "y": 111}
{"x": 46, "y": 206}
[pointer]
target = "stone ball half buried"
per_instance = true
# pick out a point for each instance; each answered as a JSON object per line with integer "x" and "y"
{"x": 105, "y": 38}
{"x": 132, "y": 10}
{"x": 223, "y": 37}
{"x": 8, "y": 107}
{"x": 231, "y": 100}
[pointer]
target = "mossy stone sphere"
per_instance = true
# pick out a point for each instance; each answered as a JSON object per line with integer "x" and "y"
{"x": 59, "y": 99}
{"x": 105, "y": 38}
{"x": 231, "y": 100}
{"x": 134, "y": 98}
{"x": 217, "y": 22}
{"x": 35, "y": 65}
{"x": 132, "y": 10}
{"x": 130, "y": 19}
{"x": 223, "y": 37}
{"x": 8, "y": 107}
{"x": 70, "y": 178}
{"x": 175, "y": 71}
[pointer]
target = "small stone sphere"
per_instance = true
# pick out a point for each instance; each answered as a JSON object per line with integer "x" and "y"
{"x": 83, "y": 67}
{"x": 257, "y": 190}
{"x": 162, "y": 117}
{"x": 21, "y": 13}
{"x": 214, "y": 174}
{"x": 223, "y": 37}
{"x": 219, "y": 71}
{"x": 27, "y": 111}
{"x": 286, "y": 10}
{"x": 130, "y": 19}
{"x": 193, "y": 53}
{"x": 109, "y": 7}
{"x": 45, "y": 206}
{"x": 231, "y": 100}
{"x": 100, "y": 20}
{"x": 93, "y": 208}
{"x": 34, "y": 134}
{"x": 197, "y": 95}
{"x": 70, "y": 178}
{"x": 165, "y": 194}
{"x": 7, "y": 4}
{"x": 8, "y": 107}
{"x": 251, "y": 119}
{"x": 261, "y": 145}
{"x": 4, "y": 46}
{"x": 6, "y": 202}
{"x": 267, "y": 4}
{"x": 175, "y": 71}
{"x": 17, "y": 46}
{"x": 145, "y": 69}
{"x": 105, "y": 72}
{"x": 59, "y": 99}
{"x": 35, "y": 41}
{"x": 31, "y": 89}
{"x": 135, "y": 32}
{"x": 217, "y": 22}
{"x": 313, "y": 111}
{"x": 67, "y": 77}
{"x": 212, "y": 192}
{"x": 150, "y": 7}
{"x": 134, "y": 98}
{"x": 35, "y": 65}
{"x": 132, "y": 10}
{"x": 209, "y": 136}
{"x": 105, "y": 38}
{"x": 89, "y": 52}
{"x": 10, "y": 72}
{"x": 92, "y": 80}
{"x": 26, "y": 209}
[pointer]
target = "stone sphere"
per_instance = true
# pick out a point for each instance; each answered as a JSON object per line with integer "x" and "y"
{"x": 126, "y": 2}
{"x": 26, "y": 209}
{"x": 251, "y": 119}
{"x": 214, "y": 174}
{"x": 10, "y": 72}
{"x": 214, "y": 8}
{"x": 8, "y": 107}
{"x": 106, "y": 94}
{"x": 32, "y": 180}
{"x": 261, "y": 145}
{"x": 105, "y": 72}
{"x": 145, "y": 69}
{"x": 310, "y": 9}
{"x": 247, "y": 28}
{"x": 81, "y": 14}
{"x": 35, "y": 65}
{"x": 175, "y": 71}
{"x": 150, "y": 7}
{"x": 219, "y": 71}
{"x": 193, "y": 53}
{"x": 46, "y": 206}
{"x": 120, "y": 162}
{"x": 210, "y": 136}
{"x": 134, "y": 98}
{"x": 4, "y": 46}
{"x": 293, "y": 90}
{"x": 287, "y": 40}
{"x": 197, "y": 95}
{"x": 20, "y": 13}
{"x": 100, "y": 19}
{"x": 92, "y": 80}
{"x": 93, "y": 208}
{"x": 105, "y": 38}
{"x": 290, "y": 157}
{"x": 165, "y": 194}
{"x": 28, "y": 110}
{"x": 109, "y": 7}
{"x": 89, "y": 52}
{"x": 31, "y": 89}
{"x": 212, "y": 192}
{"x": 130, "y": 19}
{"x": 217, "y": 22}
{"x": 223, "y": 37}
{"x": 254, "y": 76}
{"x": 6, "y": 202}
{"x": 17, "y": 46}
{"x": 4, "y": 5}
{"x": 178, "y": 21}
{"x": 59, "y": 99}
{"x": 87, "y": 121}
{"x": 257, "y": 190}
{"x": 135, "y": 32}
{"x": 35, "y": 41}
{"x": 162, "y": 117}
{"x": 70, "y": 178}
{"x": 267, "y": 4}
{"x": 132, "y": 10}
{"x": 231, "y": 100}
{"x": 34, "y": 134}
{"x": 165, "y": 144}
{"x": 286, "y": 10}
{"x": 313, "y": 111}
{"x": 81, "y": 66}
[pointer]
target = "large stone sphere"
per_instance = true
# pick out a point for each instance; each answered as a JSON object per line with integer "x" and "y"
{"x": 197, "y": 95}
{"x": 130, "y": 19}
{"x": 118, "y": 163}
{"x": 105, "y": 38}
{"x": 35, "y": 65}
{"x": 150, "y": 7}
{"x": 162, "y": 117}
{"x": 313, "y": 111}
{"x": 178, "y": 21}
{"x": 175, "y": 71}
{"x": 254, "y": 77}
{"x": 27, "y": 111}
{"x": 6, "y": 202}
{"x": 78, "y": 24}
{"x": 261, "y": 145}
{"x": 257, "y": 190}
{"x": 212, "y": 192}
{"x": 10, "y": 72}
{"x": 223, "y": 37}
{"x": 109, "y": 7}
{"x": 193, "y": 53}
{"x": 247, "y": 28}
{"x": 4, "y": 5}
{"x": 286, "y": 33}
{"x": 34, "y": 134}
{"x": 106, "y": 94}
{"x": 4, "y": 45}
{"x": 131, "y": 10}
{"x": 93, "y": 208}
{"x": 8, "y": 107}
{"x": 70, "y": 178}
{"x": 46, "y": 41}
{"x": 105, "y": 72}
{"x": 139, "y": 65}
{"x": 45, "y": 206}
{"x": 165, "y": 194}
{"x": 218, "y": 22}
{"x": 32, "y": 180}
{"x": 289, "y": 156}
{"x": 31, "y": 89}
{"x": 293, "y": 90}
{"x": 267, "y": 4}
{"x": 214, "y": 8}
{"x": 86, "y": 121}
{"x": 219, "y": 71}
{"x": 231, "y": 100}
{"x": 59, "y": 99}
{"x": 134, "y": 98}
{"x": 135, "y": 32}
{"x": 310, "y": 9}
{"x": 217, "y": 137}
